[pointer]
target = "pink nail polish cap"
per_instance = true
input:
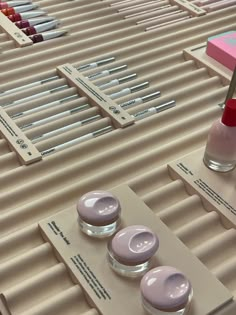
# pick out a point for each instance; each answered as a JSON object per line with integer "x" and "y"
{"x": 165, "y": 288}
{"x": 98, "y": 208}
{"x": 134, "y": 245}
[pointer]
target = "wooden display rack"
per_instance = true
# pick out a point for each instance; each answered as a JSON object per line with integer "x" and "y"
{"x": 20, "y": 39}
{"x": 198, "y": 54}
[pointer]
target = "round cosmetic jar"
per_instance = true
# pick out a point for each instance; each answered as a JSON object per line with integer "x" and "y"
{"x": 166, "y": 290}
{"x": 131, "y": 250}
{"x": 99, "y": 213}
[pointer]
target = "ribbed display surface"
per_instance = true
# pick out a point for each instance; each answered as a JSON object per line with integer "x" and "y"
{"x": 32, "y": 278}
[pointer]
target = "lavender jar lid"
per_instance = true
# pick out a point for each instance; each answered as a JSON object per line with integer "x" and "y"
{"x": 165, "y": 288}
{"x": 134, "y": 245}
{"x": 98, "y": 208}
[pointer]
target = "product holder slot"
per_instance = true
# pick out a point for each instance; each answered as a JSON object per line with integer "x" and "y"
{"x": 198, "y": 54}
{"x": 120, "y": 118}
{"x": 16, "y": 139}
{"x": 14, "y": 32}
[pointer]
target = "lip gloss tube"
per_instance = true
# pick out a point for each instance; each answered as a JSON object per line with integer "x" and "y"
{"x": 10, "y": 4}
{"x": 140, "y": 100}
{"x": 130, "y": 90}
{"x": 45, "y": 106}
{"x": 41, "y": 28}
{"x": 36, "y": 83}
{"x": 166, "y": 290}
{"x": 153, "y": 110}
{"x": 35, "y": 96}
{"x": 57, "y": 116}
{"x": 167, "y": 23}
{"x": 34, "y": 21}
{"x": 20, "y": 9}
{"x": 95, "y": 64}
{"x": 37, "y": 38}
{"x": 117, "y": 81}
{"x": 25, "y": 15}
{"x": 131, "y": 250}
{"x": 28, "y": 86}
{"x": 81, "y": 139}
{"x": 99, "y": 213}
{"x": 104, "y": 73}
{"x": 65, "y": 128}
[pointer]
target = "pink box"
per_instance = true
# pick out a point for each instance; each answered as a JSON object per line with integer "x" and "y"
{"x": 222, "y": 48}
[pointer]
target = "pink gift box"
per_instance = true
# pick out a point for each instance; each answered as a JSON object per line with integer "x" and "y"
{"x": 222, "y": 48}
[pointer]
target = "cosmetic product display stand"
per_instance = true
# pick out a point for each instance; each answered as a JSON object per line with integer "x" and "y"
{"x": 84, "y": 112}
{"x": 20, "y": 39}
{"x": 107, "y": 291}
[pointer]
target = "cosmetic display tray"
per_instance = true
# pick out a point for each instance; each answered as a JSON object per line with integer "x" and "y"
{"x": 217, "y": 190}
{"x": 85, "y": 258}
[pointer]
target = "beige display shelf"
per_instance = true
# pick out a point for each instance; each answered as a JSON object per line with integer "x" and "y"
{"x": 137, "y": 155}
{"x": 198, "y": 54}
{"x": 111, "y": 292}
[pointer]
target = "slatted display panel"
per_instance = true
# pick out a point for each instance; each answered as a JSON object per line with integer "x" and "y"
{"x": 30, "y": 274}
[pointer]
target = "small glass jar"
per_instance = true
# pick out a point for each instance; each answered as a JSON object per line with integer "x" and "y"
{"x": 166, "y": 290}
{"x": 99, "y": 213}
{"x": 131, "y": 250}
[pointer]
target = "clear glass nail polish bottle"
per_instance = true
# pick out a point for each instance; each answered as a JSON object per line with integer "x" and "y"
{"x": 131, "y": 250}
{"x": 165, "y": 290}
{"x": 99, "y": 213}
{"x": 220, "y": 152}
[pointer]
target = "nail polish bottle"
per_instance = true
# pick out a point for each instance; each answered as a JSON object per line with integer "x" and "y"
{"x": 166, "y": 290}
{"x": 220, "y": 152}
{"x": 99, "y": 213}
{"x": 131, "y": 250}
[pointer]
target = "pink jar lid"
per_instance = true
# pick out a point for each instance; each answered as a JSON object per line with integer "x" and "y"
{"x": 134, "y": 245}
{"x": 98, "y": 208}
{"x": 165, "y": 288}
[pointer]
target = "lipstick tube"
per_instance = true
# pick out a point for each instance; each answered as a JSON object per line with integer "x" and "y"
{"x": 22, "y": 8}
{"x": 34, "y": 21}
{"x": 40, "y": 28}
{"x": 10, "y": 4}
{"x": 25, "y": 15}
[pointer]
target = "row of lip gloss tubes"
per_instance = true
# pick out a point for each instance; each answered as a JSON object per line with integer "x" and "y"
{"x": 208, "y": 5}
{"x": 34, "y": 23}
{"x": 74, "y": 104}
{"x": 214, "y": 5}
{"x": 155, "y": 13}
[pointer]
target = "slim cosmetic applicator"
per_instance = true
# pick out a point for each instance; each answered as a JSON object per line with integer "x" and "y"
{"x": 84, "y": 67}
{"x": 19, "y": 9}
{"x": 34, "y": 21}
{"x": 41, "y": 28}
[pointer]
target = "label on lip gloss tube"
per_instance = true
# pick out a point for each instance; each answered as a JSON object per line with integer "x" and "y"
{"x": 119, "y": 116}
{"x": 190, "y": 7}
{"x": 217, "y": 190}
{"x": 23, "y": 147}
{"x": 85, "y": 259}
{"x": 14, "y": 32}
